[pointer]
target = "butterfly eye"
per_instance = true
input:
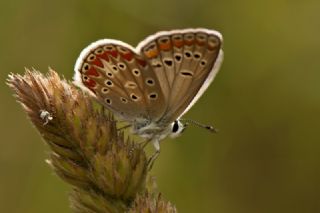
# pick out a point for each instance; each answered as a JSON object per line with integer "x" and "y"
{"x": 175, "y": 127}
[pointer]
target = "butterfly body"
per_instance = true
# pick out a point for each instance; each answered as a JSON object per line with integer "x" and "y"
{"x": 153, "y": 85}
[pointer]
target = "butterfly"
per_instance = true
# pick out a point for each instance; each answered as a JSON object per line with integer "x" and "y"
{"x": 153, "y": 85}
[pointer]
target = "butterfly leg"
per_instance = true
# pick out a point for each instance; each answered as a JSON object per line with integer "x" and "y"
{"x": 155, "y": 155}
{"x": 124, "y": 127}
{"x": 144, "y": 143}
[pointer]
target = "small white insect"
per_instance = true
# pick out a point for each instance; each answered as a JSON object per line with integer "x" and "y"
{"x": 46, "y": 116}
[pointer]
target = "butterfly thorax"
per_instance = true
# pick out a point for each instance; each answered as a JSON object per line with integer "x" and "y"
{"x": 146, "y": 129}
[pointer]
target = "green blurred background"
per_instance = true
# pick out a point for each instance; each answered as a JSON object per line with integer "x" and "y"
{"x": 265, "y": 101}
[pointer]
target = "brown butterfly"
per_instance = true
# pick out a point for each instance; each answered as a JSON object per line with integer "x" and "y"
{"x": 153, "y": 85}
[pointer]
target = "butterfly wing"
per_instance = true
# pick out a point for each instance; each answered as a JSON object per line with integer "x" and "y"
{"x": 185, "y": 62}
{"x": 120, "y": 79}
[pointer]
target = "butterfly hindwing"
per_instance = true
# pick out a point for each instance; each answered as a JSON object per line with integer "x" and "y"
{"x": 120, "y": 79}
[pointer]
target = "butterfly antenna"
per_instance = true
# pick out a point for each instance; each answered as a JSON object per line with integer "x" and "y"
{"x": 208, "y": 127}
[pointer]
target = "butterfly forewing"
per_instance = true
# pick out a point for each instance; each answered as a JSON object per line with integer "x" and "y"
{"x": 187, "y": 62}
{"x": 204, "y": 58}
{"x": 120, "y": 79}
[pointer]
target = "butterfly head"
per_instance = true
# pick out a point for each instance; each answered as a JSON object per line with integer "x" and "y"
{"x": 153, "y": 130}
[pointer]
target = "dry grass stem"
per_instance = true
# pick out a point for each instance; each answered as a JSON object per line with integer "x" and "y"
{"x": 106, "y": 171}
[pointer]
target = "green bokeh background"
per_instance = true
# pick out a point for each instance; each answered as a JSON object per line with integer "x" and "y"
{"x": 265, "y": 101}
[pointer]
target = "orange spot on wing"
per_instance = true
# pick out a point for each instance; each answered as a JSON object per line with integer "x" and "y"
{"x": 104, "y": 56}
{"x": 178, "y": 43}
{"x": 200, "y": 43}
{"x": 151, "y": 53}
{"x": 166, "y": 46}
{"x": 90, "y": 83}
{"x": 97, "y": 62}
{"x": 141, "y": 62}
{"x": 189, "y": 42}
{"x": 92, "y": 71}
{"x": 114, "y": 53}
{"x": 127, "y": 56}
